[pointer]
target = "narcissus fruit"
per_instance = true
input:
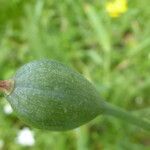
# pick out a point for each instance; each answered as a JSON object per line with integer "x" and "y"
{"x": 49, "y": 95}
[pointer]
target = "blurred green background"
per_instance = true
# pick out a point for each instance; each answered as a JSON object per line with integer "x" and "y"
{"x": 112, "y": 52}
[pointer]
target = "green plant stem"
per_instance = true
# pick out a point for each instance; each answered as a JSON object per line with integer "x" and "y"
{"x": 126, "y": 116}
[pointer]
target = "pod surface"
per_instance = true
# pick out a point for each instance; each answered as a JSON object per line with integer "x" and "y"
{"x": 49, "y": 95}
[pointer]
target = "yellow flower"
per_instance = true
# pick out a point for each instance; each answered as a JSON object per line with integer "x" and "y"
{"x": 116, "y": 7}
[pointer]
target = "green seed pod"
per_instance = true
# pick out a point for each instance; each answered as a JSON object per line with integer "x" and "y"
{"x": 48, "y": 95}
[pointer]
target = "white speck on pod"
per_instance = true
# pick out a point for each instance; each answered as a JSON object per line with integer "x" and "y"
{"x": 7, "y": 109}
{"x": 25, "y": 137}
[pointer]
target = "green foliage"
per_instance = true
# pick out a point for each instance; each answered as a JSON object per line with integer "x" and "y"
{"x": 112, "y": 53}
